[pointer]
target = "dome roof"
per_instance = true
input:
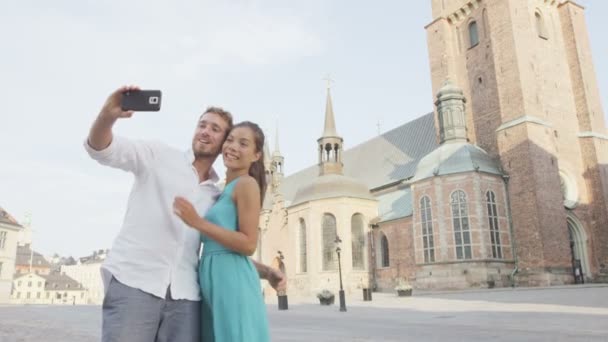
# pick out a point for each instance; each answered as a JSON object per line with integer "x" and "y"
{"x": 448, "y": 88}
{"x": 455, "y": 157}
{"x": 331, "y": 186}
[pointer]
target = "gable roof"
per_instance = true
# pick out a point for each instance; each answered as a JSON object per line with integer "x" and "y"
{"x": 381, "y": 161}
{"x": 6, "y": 218}
{"x": 61, "y": 282}
{"x": 24, "y": 254}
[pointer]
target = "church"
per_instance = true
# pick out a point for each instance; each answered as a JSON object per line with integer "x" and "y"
{"x": 505, "y": 183}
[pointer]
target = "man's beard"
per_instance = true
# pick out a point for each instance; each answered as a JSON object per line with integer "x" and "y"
{"x": 202, "y": 153}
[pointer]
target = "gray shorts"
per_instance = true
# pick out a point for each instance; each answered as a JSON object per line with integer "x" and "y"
{"x": 132, "y": 315}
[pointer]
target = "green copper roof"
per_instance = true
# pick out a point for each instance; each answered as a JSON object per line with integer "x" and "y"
{"x": 455, "y": 157}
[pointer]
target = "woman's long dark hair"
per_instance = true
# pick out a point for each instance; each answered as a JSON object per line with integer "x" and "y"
{"x": 257, "y": 169}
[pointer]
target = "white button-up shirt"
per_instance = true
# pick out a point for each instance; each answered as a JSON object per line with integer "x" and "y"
{"x": 154, "y": 248}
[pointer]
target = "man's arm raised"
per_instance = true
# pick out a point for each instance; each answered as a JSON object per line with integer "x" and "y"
{"x": 100, "y": 135}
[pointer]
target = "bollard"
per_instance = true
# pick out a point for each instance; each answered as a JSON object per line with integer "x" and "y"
{"x": 283, "y": 304}
{"x": 367, "y": 295}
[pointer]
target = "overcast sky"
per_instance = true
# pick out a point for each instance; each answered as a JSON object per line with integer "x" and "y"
{"x": 262, "y": 60}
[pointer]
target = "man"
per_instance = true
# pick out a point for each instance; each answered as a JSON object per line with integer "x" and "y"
{"x": 150, "y": 275}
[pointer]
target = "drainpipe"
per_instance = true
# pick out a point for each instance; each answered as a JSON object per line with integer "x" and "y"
{"x": 513, "y": 241}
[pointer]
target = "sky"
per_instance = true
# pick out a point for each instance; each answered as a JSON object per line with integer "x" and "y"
{"x": 265, "y": 61}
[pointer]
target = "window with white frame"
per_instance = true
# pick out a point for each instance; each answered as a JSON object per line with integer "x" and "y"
{"x": 3, "y": 235}
{"x": 329, "y": 237}
{"x": 494, "y": 228}
{"x": 460, "y": 221}
{"x": 426, "y": 219}
{"x": 358, "y": 241}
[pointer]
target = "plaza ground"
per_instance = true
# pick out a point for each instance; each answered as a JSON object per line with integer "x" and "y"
{"x": 569, "y": 313}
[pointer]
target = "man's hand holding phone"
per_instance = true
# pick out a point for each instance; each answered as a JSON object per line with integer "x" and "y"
{"x": 122, "y": 103}
{"x": 112, "y": 109}
{"x": 128, "y": 99}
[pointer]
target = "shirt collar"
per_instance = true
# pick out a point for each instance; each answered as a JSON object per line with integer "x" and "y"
{"x": 212, "y": 174}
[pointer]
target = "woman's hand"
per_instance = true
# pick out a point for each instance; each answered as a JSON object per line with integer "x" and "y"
{"x": 185, "y": 210}
{"x": 277, "y": 280}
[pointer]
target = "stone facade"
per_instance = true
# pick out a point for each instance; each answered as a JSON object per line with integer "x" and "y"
{"x": 534, "y": 105}
{"x": 401, "y": 252}
{"x": 9, "y": 231}
{"x": 51, "y": 289}
{"x": 513, "y": 193}
{"x": 89, "y": 275}
{"x": 491, "y": 260}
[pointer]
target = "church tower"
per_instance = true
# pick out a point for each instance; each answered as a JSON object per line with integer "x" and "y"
{"x": 525, "y": 68}
{"x": 276, "y": 163}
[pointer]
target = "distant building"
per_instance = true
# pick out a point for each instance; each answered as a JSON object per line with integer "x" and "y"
{"x": 9, "y": 230}
{"x": 88, "y": 272}
{"x": 30, "y": 261}
{"x": 54, "y": 289}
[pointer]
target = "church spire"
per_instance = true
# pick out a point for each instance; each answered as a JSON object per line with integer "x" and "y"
{"x": 329, "y": 130}
{"x": 330, "y": 144}
{"x": 277, "y": 162}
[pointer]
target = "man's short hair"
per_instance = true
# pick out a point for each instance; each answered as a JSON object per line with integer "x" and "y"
{"x": 224, "y": 114}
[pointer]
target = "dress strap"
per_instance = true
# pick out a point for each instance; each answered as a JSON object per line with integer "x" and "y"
{"x": 229, "y": 188}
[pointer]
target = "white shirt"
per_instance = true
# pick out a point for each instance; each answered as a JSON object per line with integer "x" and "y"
{"x": 154, "y": 248}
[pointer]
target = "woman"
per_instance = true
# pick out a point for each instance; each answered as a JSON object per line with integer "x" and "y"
{"x": 232, "y": 306}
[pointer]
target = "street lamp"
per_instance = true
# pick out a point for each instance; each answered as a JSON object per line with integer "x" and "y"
{"x": 338, "y": 250}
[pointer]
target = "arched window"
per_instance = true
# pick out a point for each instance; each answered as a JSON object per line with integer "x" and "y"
{"x": 473, "y": 34}
{"x": 303, "y": 265}
{"x": 384, "y": 249}
{"x": 541, "y": 29}
{"x": 358, "y": 241}
{"x": 329, "y": 244}
{"x": 460, "y": 220}
{"x": 494, "y": 228}
{"x": 426, "y": 218}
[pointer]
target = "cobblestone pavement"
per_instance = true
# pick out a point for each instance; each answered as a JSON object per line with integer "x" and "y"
{"x": 550, "y": 314}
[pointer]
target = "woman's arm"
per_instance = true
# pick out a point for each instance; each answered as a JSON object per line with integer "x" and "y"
{"x": 275, "y": 278}
{"x": 246, "y": 196}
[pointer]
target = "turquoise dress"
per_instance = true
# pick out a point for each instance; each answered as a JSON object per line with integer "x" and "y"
{"x": 232, "y": 305}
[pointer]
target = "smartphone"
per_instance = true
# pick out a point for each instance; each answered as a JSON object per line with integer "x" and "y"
{"x": 141, "y": 100}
